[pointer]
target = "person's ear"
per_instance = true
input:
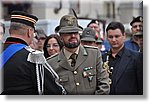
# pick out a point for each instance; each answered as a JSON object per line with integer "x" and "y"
{"x": 29, "y": 32}
{"x": 124, "y": 35}
{"x": 61, "y": 38}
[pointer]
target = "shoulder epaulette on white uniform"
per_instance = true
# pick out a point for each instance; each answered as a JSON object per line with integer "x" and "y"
{"x": 94, "y": 47}
{"x": 52, "y": 56}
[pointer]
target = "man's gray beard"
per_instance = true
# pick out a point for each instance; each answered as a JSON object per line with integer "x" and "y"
{"x": 72, "y": 45}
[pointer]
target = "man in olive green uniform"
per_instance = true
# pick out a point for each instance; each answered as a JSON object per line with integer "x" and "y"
{"x": 79, "y": 67}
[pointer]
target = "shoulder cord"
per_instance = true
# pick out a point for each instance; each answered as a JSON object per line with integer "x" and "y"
{"x": 40, "y": 75}
{"x": 41, "y": 65}
{"x": 106, "y": 66}
{"x": 55, "y": 75}
{"x": 107, "y": 60}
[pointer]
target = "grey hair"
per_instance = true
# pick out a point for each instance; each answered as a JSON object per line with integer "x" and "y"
{"x": 19, "y": 27}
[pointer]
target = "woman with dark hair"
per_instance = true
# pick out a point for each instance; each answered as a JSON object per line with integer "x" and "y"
{"x": 52, "y": 45}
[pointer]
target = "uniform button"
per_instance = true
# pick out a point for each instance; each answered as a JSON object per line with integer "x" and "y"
{"x": 77, "y": 84}
{"x": 75, "y": 72}
{"x": 110, "y": 82}
{"x": 60, "y": 80}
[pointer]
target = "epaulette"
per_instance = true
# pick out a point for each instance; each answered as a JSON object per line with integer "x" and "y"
{"x": 54, "y": 55}
{"x": 35, "y": 56}
{"x": 93, "y": 47}
{"x": 30, "y": 49}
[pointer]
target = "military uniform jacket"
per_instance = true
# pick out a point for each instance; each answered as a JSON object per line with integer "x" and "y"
{"x": 20, "y": 75}
{"x": 88, "y": 76}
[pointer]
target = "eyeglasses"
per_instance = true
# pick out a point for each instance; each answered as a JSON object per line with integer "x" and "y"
{"x": 52, "y": 45}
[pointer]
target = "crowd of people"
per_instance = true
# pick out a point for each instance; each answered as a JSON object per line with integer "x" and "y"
{"x": 74, "y": 61}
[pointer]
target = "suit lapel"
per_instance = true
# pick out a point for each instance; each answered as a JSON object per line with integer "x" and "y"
{"x": 82, "y": 56}
{"x": 62, "y": 61}
{"x": 125, "y": 59}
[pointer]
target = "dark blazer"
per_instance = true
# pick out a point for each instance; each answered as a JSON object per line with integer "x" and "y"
{"x": 128, "y": 80}
{"x": 76, "y": 80}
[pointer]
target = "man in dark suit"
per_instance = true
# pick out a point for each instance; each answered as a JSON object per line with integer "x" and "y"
{"x": 125, "y": 66}
{"x": 25, "y": 70}
{"x": 79, "y": 67}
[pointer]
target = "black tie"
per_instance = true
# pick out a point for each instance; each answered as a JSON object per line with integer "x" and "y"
{"x": 73, "y": 57}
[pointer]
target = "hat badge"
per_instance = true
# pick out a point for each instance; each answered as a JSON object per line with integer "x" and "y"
{"x": 141, "y": 19}
{"x": 70, "y": 20}
{"x": 96, "y": 22}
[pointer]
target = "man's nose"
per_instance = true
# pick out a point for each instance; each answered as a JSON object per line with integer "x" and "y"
{"x": 138, "y": 28}
{"x": 114, "y": 39}
{"x": 72, "y": 35}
